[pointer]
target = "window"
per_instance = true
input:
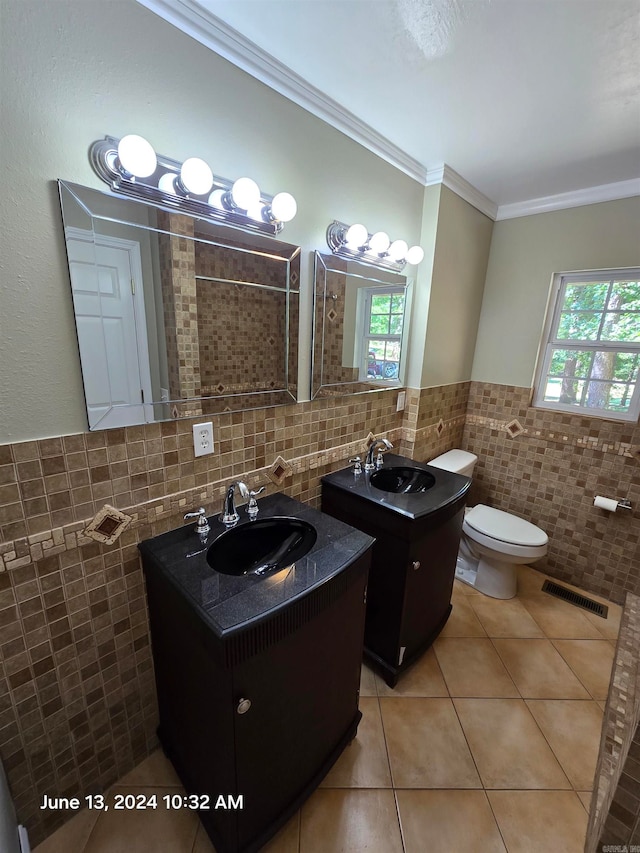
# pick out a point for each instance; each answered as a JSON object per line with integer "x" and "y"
{"x": 591, "y": 360}
{"x": 382, "y": 342}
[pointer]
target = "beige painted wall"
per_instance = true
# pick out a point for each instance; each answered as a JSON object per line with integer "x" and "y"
{"x": 462, "y": 245}
{"x": 74, "y": 71}
{"x": 525, "y": 253}
{"x": 421, "y": 288}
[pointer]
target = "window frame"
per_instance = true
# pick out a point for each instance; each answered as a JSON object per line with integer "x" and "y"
{"x": 368, "y": 294}
{"x": 551, "y": 342}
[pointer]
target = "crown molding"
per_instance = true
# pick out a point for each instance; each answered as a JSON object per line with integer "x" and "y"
{"x": 444, "y": 174}
{"x": 189, "y": 17}
{"x": 577, "y": 198}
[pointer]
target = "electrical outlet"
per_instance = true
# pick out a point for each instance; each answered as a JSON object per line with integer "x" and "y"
{"x": 402, "y": 396}
{"x": 203, "y": 439}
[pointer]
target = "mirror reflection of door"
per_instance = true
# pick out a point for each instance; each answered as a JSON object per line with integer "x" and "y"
{"x": 111, "y": 327}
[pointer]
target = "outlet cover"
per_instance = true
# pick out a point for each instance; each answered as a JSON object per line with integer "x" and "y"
{"x": 203, "y": 439}
{"x": 402, "y": 397}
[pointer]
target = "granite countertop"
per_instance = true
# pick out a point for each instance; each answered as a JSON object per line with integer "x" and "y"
{"x": 448, "y": 487}
{"x": 230, "y": 603}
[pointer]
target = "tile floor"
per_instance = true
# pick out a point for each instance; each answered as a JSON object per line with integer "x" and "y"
{"x": 489, "y": 743}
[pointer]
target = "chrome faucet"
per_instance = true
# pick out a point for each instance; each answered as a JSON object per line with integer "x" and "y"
{"x": 230, "y": 515}
{"x": 369, "y": 464}
{"x": 229, "y": 512}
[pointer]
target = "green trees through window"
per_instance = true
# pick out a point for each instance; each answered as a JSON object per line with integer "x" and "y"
{"x": 592, "y": 356}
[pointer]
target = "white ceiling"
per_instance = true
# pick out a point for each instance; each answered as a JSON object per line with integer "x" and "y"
{"x": 523, "y": 98}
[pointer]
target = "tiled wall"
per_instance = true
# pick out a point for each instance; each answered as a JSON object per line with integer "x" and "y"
{"x": 548, "y": 467}
{"x": 241, "y": 329}
{"x": 614, "y": 815}
{"x": 77, "y": 700}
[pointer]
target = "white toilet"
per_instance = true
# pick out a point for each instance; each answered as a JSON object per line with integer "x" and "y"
{"x": 493, "y": 542}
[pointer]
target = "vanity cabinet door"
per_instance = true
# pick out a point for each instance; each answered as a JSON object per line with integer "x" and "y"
{"x": 430, "y": 573}
{"x": 301, "y": 698}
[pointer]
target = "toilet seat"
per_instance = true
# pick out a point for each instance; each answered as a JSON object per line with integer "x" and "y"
{"x": 504, "y": 532}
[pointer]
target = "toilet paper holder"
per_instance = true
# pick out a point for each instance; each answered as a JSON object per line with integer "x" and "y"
{"x": 611, "y": 504}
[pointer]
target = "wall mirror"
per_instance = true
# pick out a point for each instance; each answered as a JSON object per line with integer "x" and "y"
{"x": 177, "y": 316}
{"x": 361, "y": 314}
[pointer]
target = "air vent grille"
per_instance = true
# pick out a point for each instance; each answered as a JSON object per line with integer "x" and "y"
{"x": 575, "y": 598}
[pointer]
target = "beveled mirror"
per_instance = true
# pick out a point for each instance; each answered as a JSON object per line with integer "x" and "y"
{"x": 359, "y": 329}
{"x": 177, "y": 316}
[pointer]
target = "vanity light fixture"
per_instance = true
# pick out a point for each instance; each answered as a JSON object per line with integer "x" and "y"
{"x": 356, "y": 243}
{"x": 131, "y": 166}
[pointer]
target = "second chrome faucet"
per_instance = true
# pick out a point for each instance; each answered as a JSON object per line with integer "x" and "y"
{"x": 230, "y": 515}
{"x": 369, "y": 464}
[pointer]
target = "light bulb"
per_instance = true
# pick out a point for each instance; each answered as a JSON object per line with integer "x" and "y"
{"x": 283, "y": 207}
{"x": 379, "y": 243}
{"x": 245, "y": 193}
{"x": 356, "y": 236}
{"x": 137, "y": 156}
{"x": 398, "y": 249}
{"x": 196, "y": 176}
{"x": 167, "y": 183}
{"x": 255, "y": 212}
{"x": 215, "y": 199}
{"x": 415, "y": 255}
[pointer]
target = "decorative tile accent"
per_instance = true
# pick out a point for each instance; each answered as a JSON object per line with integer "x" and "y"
{"x": 514, "y": 428}
{"x": 440, "y": 427}
{"x": 279, "y": 471}
{"x": 331, "y": 314}
{"x": 107, "y": 525}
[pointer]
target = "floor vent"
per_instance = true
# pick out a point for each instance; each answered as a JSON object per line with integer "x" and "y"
{"x": 575, "y": 598}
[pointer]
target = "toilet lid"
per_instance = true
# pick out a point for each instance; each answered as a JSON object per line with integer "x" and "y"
{"x": 504, "y": 527}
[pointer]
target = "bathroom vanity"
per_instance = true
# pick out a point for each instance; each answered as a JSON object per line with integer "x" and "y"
{"x": 415, "y": 513}
{"x": 257, "y": 675}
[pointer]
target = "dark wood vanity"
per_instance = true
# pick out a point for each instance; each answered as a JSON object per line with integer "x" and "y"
{"x": 257, "y": 678}
{"x": 414, "y": 557}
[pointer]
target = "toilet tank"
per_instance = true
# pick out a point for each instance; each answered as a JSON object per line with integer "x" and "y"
{"x": 456, "y": 461}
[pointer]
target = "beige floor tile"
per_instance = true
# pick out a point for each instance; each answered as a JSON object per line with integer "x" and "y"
{"x": 446, "y": 821}
{"x": 426, "y": 746}
{"x": 591, "y": 660}
{"x": 539, "y": 670}
{"x": 158, "y": 830}
{"x": 559, "y": 619}
{"x": 572, "y": 728}
{"x": 505, "y": 618}
{"x": 462, "y": 621}
{"x": 464, "y": 588}
{"x": 346, "y": 821}
{"x": 423, "y": 678}
{"x": 507, "y": 745}
{"x": 585, "y": 799}
{"x": 471, "y": 667}
{"x": 287, "y": 840}
{"x": 530, "y": 581}
{"x": 364, "y": 762}
{"x": 609, "y": 627}
{"x": 71, "y": 836}
{"x": 367, "y": 681}
{"x": 156, "y": 771}
{"x": 540, "y": 821}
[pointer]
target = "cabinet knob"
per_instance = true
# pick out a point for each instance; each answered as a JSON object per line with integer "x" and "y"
{"x": 243, "y": 706}
{"x": 416, "y": 565}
